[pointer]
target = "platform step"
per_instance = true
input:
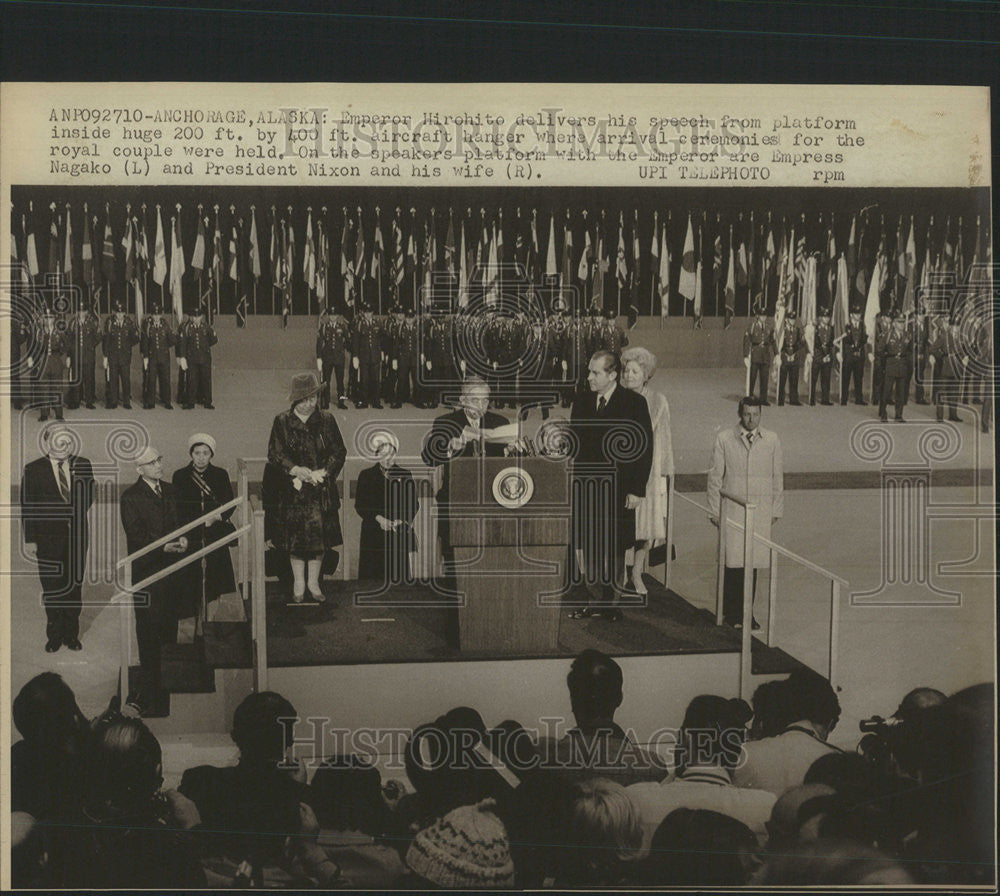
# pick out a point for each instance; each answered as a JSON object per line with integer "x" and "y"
{"x": 183, "y": 669}
{"x": 227, "y": 645}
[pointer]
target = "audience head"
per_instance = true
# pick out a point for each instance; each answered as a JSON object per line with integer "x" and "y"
{"x": 537, "y": 822}
{"x": 713, "y": 732}
{"x": 832, "y": 863}
{"x": 262, "y": 728}
{"x": 347, "y": 796}
{"x": 604, "y": 832}
{"x": 638, "y": 366}
{"x": 794, "y": 816}
{"x": 123, "y": 768}
{"x": 27, "y": 852}
{"x": 811, "y": 698}
{"x": 595, "y": 687}
{"x": 46, "y": 714}
{"x": 770, "y": 710}
{"x": 467, "y": 848}
{"x": 698, "y": 848}
{"x": 846, "y": 773}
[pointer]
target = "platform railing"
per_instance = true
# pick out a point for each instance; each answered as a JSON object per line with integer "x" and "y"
{"x": 258, "y": 595}
{"x": 124, "y": 597}
{"x": 750, "y": 538}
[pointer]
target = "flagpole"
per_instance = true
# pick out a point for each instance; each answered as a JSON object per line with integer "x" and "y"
{"x": 378, "y": 279}
{"x": 413, "y": 227}
{"x": 253, "y": 222}
{"x": 145, "y": 266}
{"x": 271, "y": 258}
{"x": 216, "y": 248}
{"x": 653, "y": 274}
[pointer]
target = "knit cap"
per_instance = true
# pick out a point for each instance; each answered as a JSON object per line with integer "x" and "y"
{"x": 466, "y": 848}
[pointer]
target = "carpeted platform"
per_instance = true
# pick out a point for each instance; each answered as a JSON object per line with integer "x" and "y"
{"x": 342, "y": 632}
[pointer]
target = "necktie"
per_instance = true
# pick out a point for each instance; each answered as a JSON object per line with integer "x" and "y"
{"x": 602, "y": 403}
{"x": 750, "y": 439}
{"x": 158, "y": 490}
{"x": 63, "y": 480}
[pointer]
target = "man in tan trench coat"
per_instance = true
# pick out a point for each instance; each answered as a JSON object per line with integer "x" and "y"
{"x": 747, "y": 463}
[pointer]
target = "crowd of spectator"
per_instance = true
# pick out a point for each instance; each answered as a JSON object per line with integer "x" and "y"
{"x": 752, "y": 795}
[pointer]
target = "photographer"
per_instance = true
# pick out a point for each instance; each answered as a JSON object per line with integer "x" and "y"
{"x": 891, "y": 744}
{"x": 126, "y": 832}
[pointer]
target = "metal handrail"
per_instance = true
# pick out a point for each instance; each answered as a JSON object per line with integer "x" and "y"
{"x": 180, "y": 530}
{"x": 750, "y": 537}
{"x": 761, "y": 539}
{"x": 179, "y": 564}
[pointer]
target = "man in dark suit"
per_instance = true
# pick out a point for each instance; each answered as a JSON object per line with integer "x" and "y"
{"x": 149, "y": 512}
{"x": 613, "y": 444}
{"x": 57, "y": 492}
{"x": 460, "y": 434}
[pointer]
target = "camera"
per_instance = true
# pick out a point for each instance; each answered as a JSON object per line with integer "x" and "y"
{"x": 878, "y": 725}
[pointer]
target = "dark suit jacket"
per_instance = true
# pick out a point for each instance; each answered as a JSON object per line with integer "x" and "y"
{"x": 619, "y": 439}
{"x": 145, "y": 519}
{"x": 435, "y": 454}
{"x": 47, "y": 520}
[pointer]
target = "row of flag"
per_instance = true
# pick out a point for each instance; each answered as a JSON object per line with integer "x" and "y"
{"x": 790, "y": 264}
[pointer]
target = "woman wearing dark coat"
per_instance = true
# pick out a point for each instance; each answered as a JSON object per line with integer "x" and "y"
{"x": 201, "y": 487}
{"x": 306, "y": 445}
{"x": 386, "y": 501}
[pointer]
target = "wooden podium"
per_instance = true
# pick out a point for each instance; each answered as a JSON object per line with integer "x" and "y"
{"x": 510, "y": 527}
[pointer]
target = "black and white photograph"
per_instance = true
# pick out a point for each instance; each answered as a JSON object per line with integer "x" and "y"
{"x": 433, "y": 486}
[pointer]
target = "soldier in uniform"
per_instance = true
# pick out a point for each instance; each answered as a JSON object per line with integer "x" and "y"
{"x": 855, "y": 348}
{"x": 921, "y": 336}
{"x": 612, "y": 336}
{"x": 577, "y": 345}
{"x": 883, "y": 323}
{"x": 366, "y": 348}
{"x": 793, "y": 350}
{"x": 20, "y": 335}
{"x": 557, "y": 347}
{"x": 120, "y": 334}
{"x": 84, "y": 337}
{"x": 182, "y": 376}
{"x": 331, "y": 344}
{"x": 824, "y": 354}
{"x": 898, "y": 358}
{"x": 758, "y": 350}
{"x": 493, "y": 337}
{"x": 441, "y": 355}
{"x": 197, "y": 354}
{"x": 155, "y": 343}
{"x": 53, "y": 361}
{"x": 944, "y": 353}
{"x": 407, "y": 360}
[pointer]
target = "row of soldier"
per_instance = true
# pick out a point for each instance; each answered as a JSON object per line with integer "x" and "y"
{"x": 402, "y": 357}
{"x": 54, "y": 362}
{"x": 931, "y": 346}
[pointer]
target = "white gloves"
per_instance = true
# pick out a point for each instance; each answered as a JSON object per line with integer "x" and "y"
{"x": 105, "y": 361}
{"x": 145, "y": 363}
{"x": 182, "y": 363}
{"x": 395, "y": 364}
{"x": 355, "y": 363}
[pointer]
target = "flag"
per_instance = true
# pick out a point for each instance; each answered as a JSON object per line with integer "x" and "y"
{"x": 852, "y": 254}
{"x": 176, "y": 267}
{"x": 959, "y": 255}
{"x": 633, "y": 309}
{"x": 810, "y": 289}
{"x": 949, "y": 249}
{"x": 449, "y": 247}
{"x": 234, "y": 273}
{"x": 274, "y": 257}
{"x": 601, "y": 265}
{"x": 621, "y": 265}
{"x": 717, "y": 260}
{"x": 398, "y": 261}
{"x": 664, "y": 256}
{"x": 730, "y": 282}
{"x": 427, "y": 263}
{"x": 346, "y": 273}
{"x": 254, "y": 245}
{"x": 54, "y": 259}
{"x": 378, "y": 252}
{"x": 533, "y": 252}
{"x": 242, "y": 277}
{"x": 141, "y": 248}
{"x": 925, "y": 272}
{"x": 322, "y": 263}
{"x": 567, "y": 262}
{"x": 68, "y": 254}
{"x": 874, "y": 302}
{"x": 550, "y": 254}
{"x": 463, "y": 271}
{"x": 198, "y": 256}
{"x": 217, "y": 263}
{"x": 30, "y": 250}
{"x": 87, "y": 250}
{"x": 742, "y": 275}
{"x": 159, "y": 252}
{"x": 910, "y": 263}
{"x": 128, "y": 244}
{"x": 583, "y": 271}
{"x": 492, "y": 270}
{"x": 800, "y": 256}
{"x": 290, "y": 263}
{"x": 770, "y": 254}
{"x": 841, "y": 302}
{"x": 697, "y": 290}
{"x": 108, "y": 255}
{"x": 309, "y": 255}
{"x": 359, "y": 253}
{"x": 686, "y": 280}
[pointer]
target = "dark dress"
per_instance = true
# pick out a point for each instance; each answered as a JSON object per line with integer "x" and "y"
{"x": 193, "y": 502}
{"x": 307, "y": 520}
{"x": 384, "y": 556}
